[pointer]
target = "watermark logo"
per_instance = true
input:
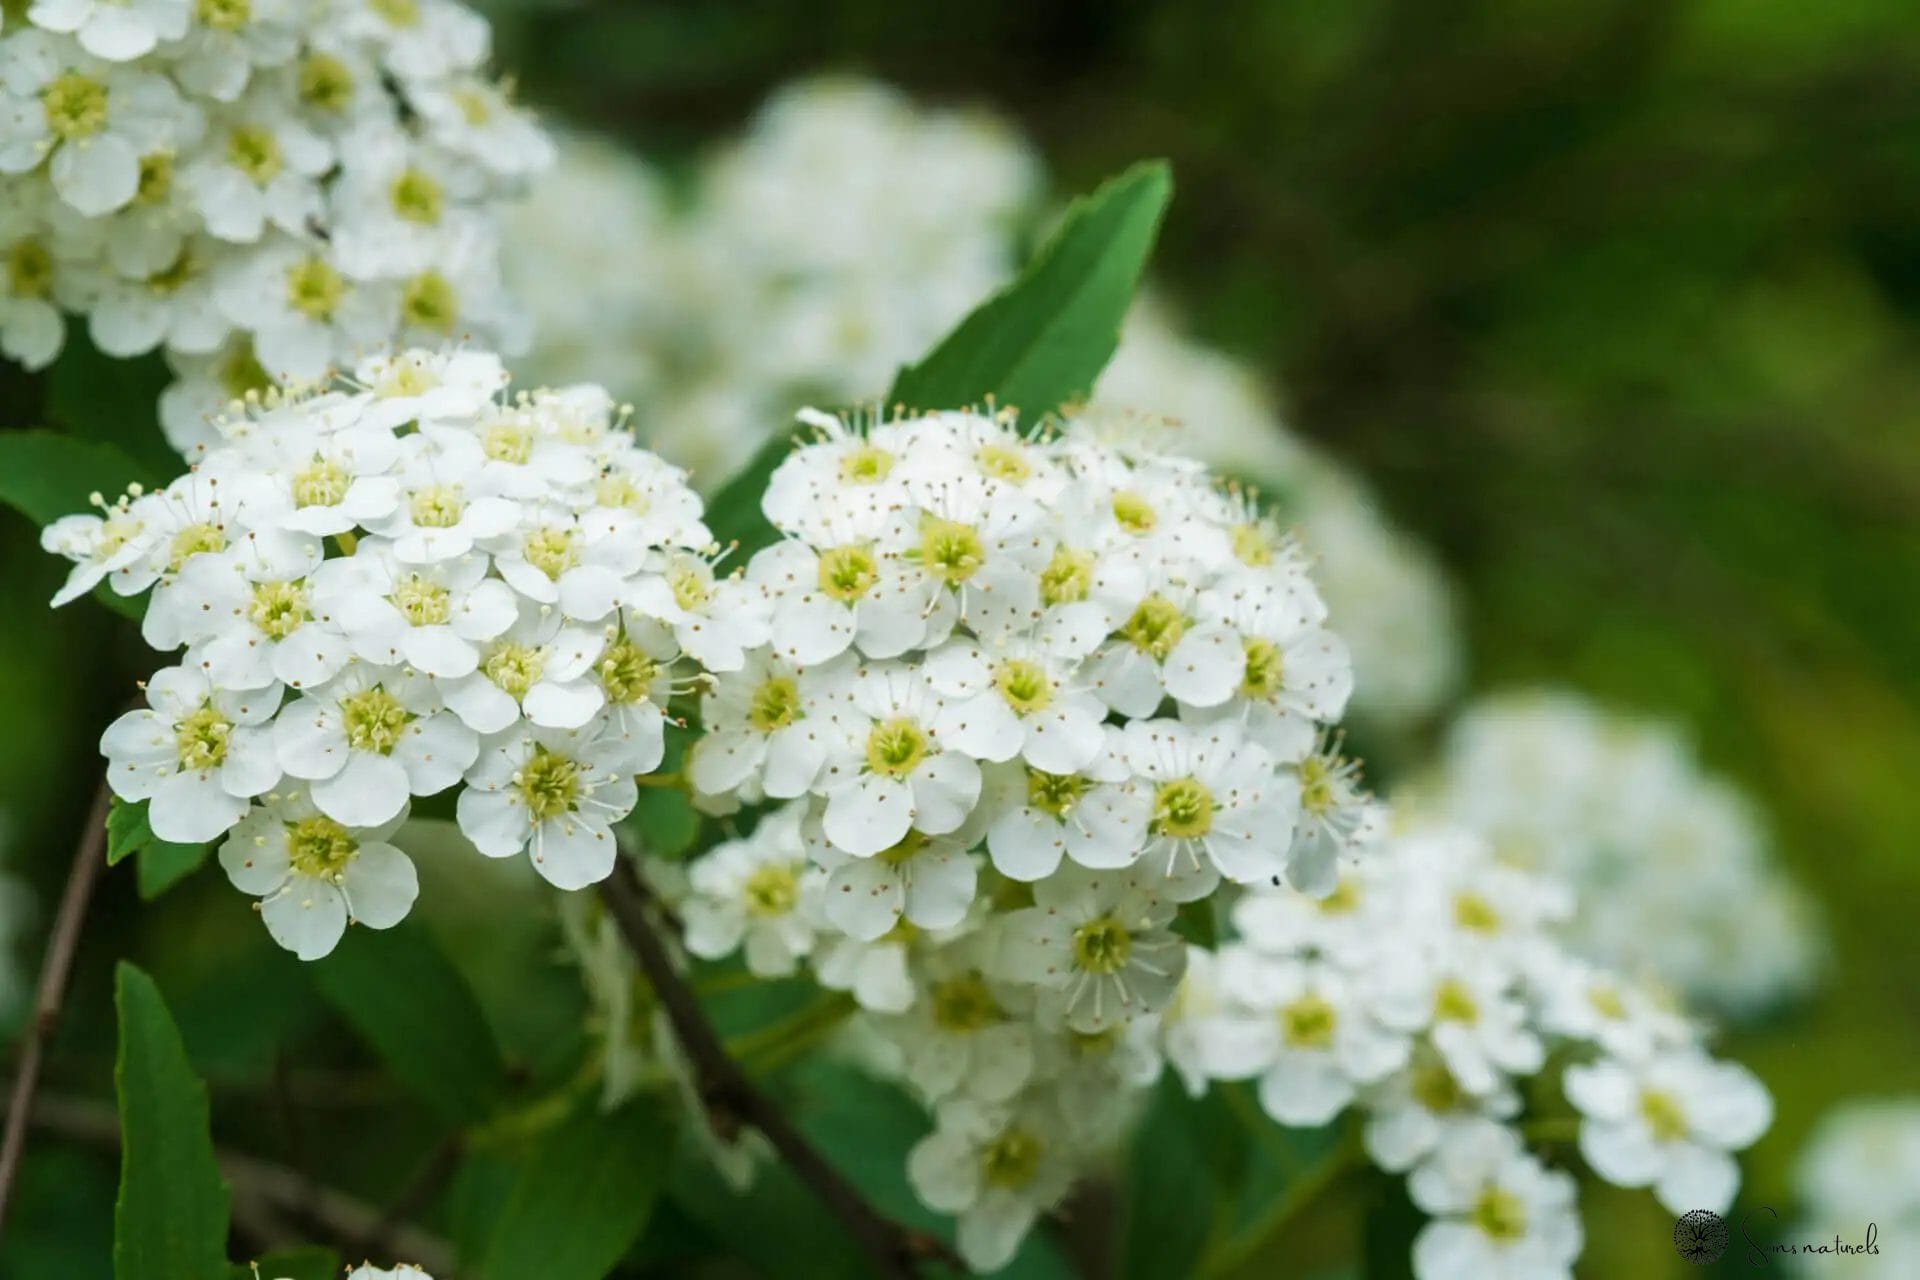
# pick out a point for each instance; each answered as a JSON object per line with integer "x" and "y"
{"x": 1700, "y": 1236}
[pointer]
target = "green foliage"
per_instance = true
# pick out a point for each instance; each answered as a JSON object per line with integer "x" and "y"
{"x": 1182, "y": 1191}
{"x": 664, "y": 818}
{"x": 171, "y": 1219}
{"x": 161, "y": 864}
{"x": 1037, "y": 344}
{"x": 112, "y": 401}
{"x": 584, "y": 1195}
{"x": 1040, "y": 343}
{"x": 405, "y": 997}
{"x": 45, "y": 475}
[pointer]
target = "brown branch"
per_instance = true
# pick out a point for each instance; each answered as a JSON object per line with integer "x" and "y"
{"x": 732, "y": 1101}
{"x": 265, "y": 1194}
{"x": 89, "y": 856}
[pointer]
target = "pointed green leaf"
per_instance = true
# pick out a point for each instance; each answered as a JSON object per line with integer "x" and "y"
{"x": 171, "y": 1219}
{"x": 583, "y": 1196}
{"x": 402, "y": 994}
{"x": 1040, "y": 343}
{"x": 163, "y": 864}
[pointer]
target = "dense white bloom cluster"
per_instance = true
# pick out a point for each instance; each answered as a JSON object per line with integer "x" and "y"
{"x": 744, "y": 303}
{"x": 1861, "y": 1166}
{"x": 1670, "y": 866}
{"x": 259, "y": 188}
{"x": 1427, "y": 991}
{"x": 1022, "y": 698}
{"x": 401, "y": 585}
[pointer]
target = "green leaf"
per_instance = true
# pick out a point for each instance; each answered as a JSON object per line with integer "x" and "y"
{"x": 1041, "y": 342}
{"x": 111, "y": 400}
{"x": 583, "y": 1196}
{"x": 162, "y": 864}
{"x": 171, "y": 1219}
{"x": 405, "y": 997}
{"x": 1391, "y": 1224}
{"x": 1183, "y": 1185}
{"x": 1038, "y": 344}
{"x": 45, "y": 475}
{"x": 127, "y": 829}
{"x": 303, "y": 1262}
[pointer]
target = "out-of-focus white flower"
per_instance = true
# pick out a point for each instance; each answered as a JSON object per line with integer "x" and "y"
{"x": 1498, "y": 1214}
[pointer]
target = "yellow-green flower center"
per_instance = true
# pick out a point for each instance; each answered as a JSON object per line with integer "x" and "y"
{"x": 193, "y": 539}
{"x": 278, "y": 608}
{"x": 170, "y": 279}
{"x": 397, "y": 13}
{"x": 1265, "y": 674}
{"x": 1068, "y": 577}
{"x": 201, "y": 739}
{"x": 1253, "y": 544}
{"x": 1475, "y": 914}
{"x": 254, "y": 151}
{"x": 1343, "y": 901}
{"x": 29, "y": 270}
{"x": 422, "y": 601}
{"x": 627, "y": 673}
{"x": 848, "y": 573}
{"x": 314, "y": 288}
{"x": 373, "y": 720}
{"x": 1011, "y": 1160}
{"x": 324, "y": 82}
{"x": 904, "y": 849}
{"x": 437, "y": 506}
{"x": 224, "y": 15}
{"x": 418, "y": 198}
{"x": 549, "y": 784}
{"x": 476, "y": 108}
{"x": 1024, "y": 684}
{"x": 1054, "y": 793}
{"x": 1155, "y": 627}
{"x": 76, "y": 106}
{"x": 689, "y": 586}
{"x": 1666, "y": 1118}
{"x": 1004, "y": 462}
{"x": 896, "y": 747}
{"x": 1308, "y": 1023}
{"x": 616, "y": 490}
{"x": 1182, "y": 809}
{"x": 1102, "y": 945}
{"x": 319, "y": 846}
{"x": 321, "y": 483}
{"x": 1434, "y": 1088}
{"x": 865, "y": 464}
{"x": 772, "y": 890}
{"x": 510, "y": 442}
{"x": 241, "y": 373}
{"x": 1499, "y": 1214}
{"x": 514, "y": 668}
{"x": 775, "y": 704}
{"x": 1134, "y": 513}
{"x": 551, "y": 550}
{"x": 1453, "y": 1002}
{"x": 950, "y": 550}
{"x": 156, "y": 178}
{"x": 429, "y": 302}
{"x": 1317, "y": 795}
{"x": 965, "y": 1004}
{"x": 1607, "y": 1001}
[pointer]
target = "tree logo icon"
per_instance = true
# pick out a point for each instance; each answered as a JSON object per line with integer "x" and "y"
{"x": 1700, "y": 1236}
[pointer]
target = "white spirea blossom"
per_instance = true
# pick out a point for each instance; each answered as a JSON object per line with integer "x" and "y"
{"x": 398, "y": 585}
{"x": 261, "y": 189}
{"x": 1860, "y": 1166}
{"x": 1671, "y": 866}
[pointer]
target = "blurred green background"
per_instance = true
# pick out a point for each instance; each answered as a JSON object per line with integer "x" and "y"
{"x": 1617, "y": 304}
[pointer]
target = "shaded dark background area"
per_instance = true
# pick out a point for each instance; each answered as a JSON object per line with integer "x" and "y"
{"x": 1616, "y": 303}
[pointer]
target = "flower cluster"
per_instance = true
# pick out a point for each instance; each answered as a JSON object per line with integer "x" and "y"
{"x": 1022, "y": 697}
{"x": 1672, "y": 871}
{"x": 1861, "y": 1166}
{"x": 404, "y": 584}
{"x": 259, "y": 188}
{"x": 1427, "y": 992}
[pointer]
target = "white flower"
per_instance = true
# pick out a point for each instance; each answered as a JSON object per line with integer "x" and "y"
{"x": 1325, "y": 1039}
{"x": 369, "y": 738}
{"x": 433, "y": 617}
{"x": 889, "y": 770}
{"x": 1099, "y": 945}
{"x": 554, "y": 793}
{"x": 1218, "y": 805}
{"x": 314, "y": 876}
{"x": 875, "y": 973}
{"x": 749, "y": 893}
{"x": 400, "y": 1271}
{"x": 967, "y": 1033}
{"x": 117, "y": 30}
{"x": 260, "y": 621}
{"x": 1017, "y": 699}
{"x": 996, "y": 1167}
{"x": 1422, "y": 1107}
{"x": 1096, "y": 817}
{"x": 1498, "y": 1214}
{"x": 540, "y": 667}
{"x": 1478, "y": 1023}
{"x": 928, "y": 880}
{"x": 262, "y": 168}
{"x": 198, "y": 756}
{"x": 303, "y": 313}
{"x": 760, "y": 727}
{"x": 1670, "y": 1122}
